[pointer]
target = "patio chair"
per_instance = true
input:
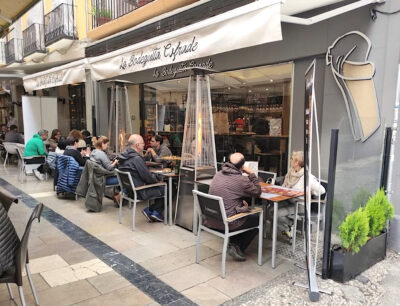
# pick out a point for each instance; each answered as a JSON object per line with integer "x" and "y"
{"x": 129, "y": 193}
{"x": 26, "y": 168}
{"x": 210, "y": 206}
{"x": 10, "y": 148}
{"x": 14, "y": 273}
{"x": 298, "y": 216}
{"x": 267, "y": 177}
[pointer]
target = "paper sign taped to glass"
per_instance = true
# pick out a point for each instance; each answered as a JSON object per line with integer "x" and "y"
{"x": 348, "y": 58}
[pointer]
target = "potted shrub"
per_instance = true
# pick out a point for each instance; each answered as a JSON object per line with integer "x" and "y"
{"x": 363, "y": 236}
{"x": 102, "y": 15}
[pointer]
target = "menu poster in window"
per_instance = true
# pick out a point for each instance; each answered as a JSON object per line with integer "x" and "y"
{"x": 253, "y": 165}
{"x": 308, "y": 126}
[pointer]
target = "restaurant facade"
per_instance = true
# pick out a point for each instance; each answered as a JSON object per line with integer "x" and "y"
{"x": 258, "y": 100}
{"x": 258, "y": 89}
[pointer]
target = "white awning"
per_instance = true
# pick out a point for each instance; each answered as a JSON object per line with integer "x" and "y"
{"x": 62, "y": 75}
{"x": 253, "y": 24}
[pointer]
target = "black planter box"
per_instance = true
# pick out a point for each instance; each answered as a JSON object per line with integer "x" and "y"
{"x": 346, "y": 266}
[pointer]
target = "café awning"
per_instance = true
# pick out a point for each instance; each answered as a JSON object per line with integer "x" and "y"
{"x": 253, "y": 24}
{"x": 62, "y": 75}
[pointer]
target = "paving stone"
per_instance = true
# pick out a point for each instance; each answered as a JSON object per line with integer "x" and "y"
{"x": 128, "y": 296}
{"x": 47, "y": 263}
{"x": 108, "y": 282}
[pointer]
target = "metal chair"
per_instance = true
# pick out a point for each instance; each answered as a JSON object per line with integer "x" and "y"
{"x": 24, "y": 167}
{"x": 298, "y": 216}
{"x": 14, "y": 274}
{"x": 267, "y": 177}
{"x": 10, "y": 148}
{"x": 129, "y": 193}
{"x": 210, "y": 206}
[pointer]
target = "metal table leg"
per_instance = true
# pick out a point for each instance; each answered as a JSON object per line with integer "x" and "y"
{"x": 195, "y": 217}
{"x": 274, "y": 233}
{"x": 170, "y": 200}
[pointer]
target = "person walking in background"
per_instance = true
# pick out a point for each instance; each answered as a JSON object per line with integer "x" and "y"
{"x": 11, "y": 120}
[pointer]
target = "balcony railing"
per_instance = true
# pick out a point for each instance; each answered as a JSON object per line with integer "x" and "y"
{"x": 14, "y": 51}
{"x": 59, "y": 24}
{"x": 34, "y": 39}
{"x": 2, "y": 52}
{"x": 104, "y": 11}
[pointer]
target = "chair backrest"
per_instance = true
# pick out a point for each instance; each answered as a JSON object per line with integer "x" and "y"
{"x": 23, "y": 247}
{"x": 6, "y": 198}
{"x": 325, "y": 185}
{"x": 209, "y": 206}
{"x": 126, "y": 182}
{"x": 10, "y": 147}
{"x": 267, "y": 177}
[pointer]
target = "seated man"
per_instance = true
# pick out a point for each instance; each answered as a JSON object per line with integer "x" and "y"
{"x": 13, "y": 135}
{"x": 295, "y": 179}
{"x": 233, "y": 188}
{"x": 72, "y": 150}
{"x": 132, "y": 161}
{"x": 35, "y": 147}
{"x": 157, "y": 151}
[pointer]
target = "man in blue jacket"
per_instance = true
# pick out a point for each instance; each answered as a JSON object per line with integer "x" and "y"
{"x": 132, "y": 161}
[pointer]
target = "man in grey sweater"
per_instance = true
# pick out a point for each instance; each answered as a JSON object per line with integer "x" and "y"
{"x": 233, "y": 188}
{"x": 157, "y": 151}
{"x": 13, "y": 135}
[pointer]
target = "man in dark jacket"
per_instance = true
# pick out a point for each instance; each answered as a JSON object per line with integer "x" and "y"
{"x": 233, "y": 188}
{"x": 132, "y": 161}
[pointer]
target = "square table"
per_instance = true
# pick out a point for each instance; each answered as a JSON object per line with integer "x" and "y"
{"x": 276, "y": 194}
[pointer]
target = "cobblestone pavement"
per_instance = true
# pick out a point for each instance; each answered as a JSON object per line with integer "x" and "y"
{"x": 379, "y": 285}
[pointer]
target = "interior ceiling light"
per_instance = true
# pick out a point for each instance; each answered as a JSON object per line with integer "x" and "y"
{"x": 271, "y": 80}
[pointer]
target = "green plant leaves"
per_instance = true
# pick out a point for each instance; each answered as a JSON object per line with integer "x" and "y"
{"x": 379, "y": 211}
{"x": 365, "y": 223}
{"x": 354, "y": 231}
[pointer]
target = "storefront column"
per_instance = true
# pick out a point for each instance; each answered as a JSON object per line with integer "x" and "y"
{"x": 90, "y": 99}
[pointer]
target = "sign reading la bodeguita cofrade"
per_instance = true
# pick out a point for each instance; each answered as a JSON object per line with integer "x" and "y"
{"x": 56, "y": 77}
{"x": 174, "y": 70}
{"x": 253, "y": 24}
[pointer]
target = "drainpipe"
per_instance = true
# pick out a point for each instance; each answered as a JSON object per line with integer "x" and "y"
{"x": 394, "y": 132}
{"x": 329, "y": 14}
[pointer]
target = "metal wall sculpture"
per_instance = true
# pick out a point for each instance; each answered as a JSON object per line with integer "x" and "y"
{"x": 348, "y": 58}
{"x": 119, "y": 122}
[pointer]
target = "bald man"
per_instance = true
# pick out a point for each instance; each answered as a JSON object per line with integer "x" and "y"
{"x": 233, "y": 188}
{"x": 132, "y": 161}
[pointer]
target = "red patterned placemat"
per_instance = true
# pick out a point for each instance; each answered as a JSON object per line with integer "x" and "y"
{"x": 282, "y": 191}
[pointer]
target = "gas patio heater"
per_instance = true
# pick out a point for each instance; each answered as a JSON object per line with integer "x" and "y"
{"x": 119, "y": 122}
{"x": 198, "y": 160}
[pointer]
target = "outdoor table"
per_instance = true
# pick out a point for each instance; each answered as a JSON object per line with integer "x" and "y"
{"x": 170, "y": 175}
{"x": 277, "y": 194}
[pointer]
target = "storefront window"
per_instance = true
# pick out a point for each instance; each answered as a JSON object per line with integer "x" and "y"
{"x": 251, "y": 112}
{"x": 77, "y": 106}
